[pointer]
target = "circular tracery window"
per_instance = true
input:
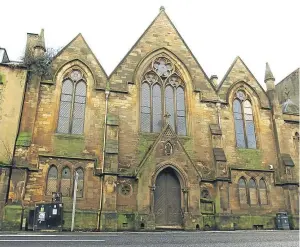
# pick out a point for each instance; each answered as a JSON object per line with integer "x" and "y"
{"x": 241, "y": 95}
{"x": 75, "y": 75}
{"x": 125, "y": 189}
{"x": 163, "y": 67}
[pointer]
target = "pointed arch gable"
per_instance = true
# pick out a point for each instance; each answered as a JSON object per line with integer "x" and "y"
{"x": 141, "y": 48}
{"x": 249, "y": 89}
{"x": 239, "y": 73}
{"x": 78, "y": 49}
{"x": 75, "y": 64}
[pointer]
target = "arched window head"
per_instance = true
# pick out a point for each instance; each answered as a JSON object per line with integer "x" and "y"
{"x": 263, "y": 192}
{"x": 242, "y": 190}
{"x": 51, "y": 180}
{"x": 72, "y": 104}
{"x": 162, "y": 98}
{"x": 252, "y": 192}
{"x": 168, "y": 149}
{"x": 243, "y": 121}
{"x": 65, "y": 184}
{"x": 80, "y": 182}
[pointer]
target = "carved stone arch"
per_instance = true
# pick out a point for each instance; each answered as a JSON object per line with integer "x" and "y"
{"x": 254, "y": 96}
{"x": 238, "y": 177}
{"x": 181, "y": 175}
{"x": 144, "y": 63}
{"x": 180, "y": 83}
{"x": 64, "y": 69}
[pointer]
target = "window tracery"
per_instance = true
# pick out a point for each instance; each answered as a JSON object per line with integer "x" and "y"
{"x": 72, "y": 104}
{"x": 252, "y": 192}
{"x": 263, "y": 192}
{"x": 244, "y": 121}
{"x": 59, "y": 179}
{"x": 242, "y": 191}
{"x": 162, "y": 93}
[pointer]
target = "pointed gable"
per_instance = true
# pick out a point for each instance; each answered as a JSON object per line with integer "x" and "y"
{"x": 237, "y": 73}
{"x": 160, "y": 34}
{"x": 78, "y": 49}
{"x": 167, "y": 148}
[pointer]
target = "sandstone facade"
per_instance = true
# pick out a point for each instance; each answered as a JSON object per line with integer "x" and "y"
{"x": 199, "y": 157}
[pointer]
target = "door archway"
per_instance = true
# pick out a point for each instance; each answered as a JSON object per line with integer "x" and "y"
{"x": 167, "y": 199}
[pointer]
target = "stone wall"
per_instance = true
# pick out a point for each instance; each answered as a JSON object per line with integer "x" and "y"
{"x": 120, "y": 171}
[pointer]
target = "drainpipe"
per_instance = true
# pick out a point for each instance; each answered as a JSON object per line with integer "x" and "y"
{"x": 218, "y": 112}
{"x": 103, "y": 159}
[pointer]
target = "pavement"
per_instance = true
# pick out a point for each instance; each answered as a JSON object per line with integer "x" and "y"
{"x": 153, "y": 239}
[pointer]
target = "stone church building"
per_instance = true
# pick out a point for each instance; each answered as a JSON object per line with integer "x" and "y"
{"x": 156, "y": 144}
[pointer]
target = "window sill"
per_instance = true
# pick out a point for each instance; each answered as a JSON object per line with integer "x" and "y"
{"x": 68, "y": 136}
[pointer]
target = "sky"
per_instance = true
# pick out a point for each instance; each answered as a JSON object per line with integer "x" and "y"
{"x": 216, "y": 31}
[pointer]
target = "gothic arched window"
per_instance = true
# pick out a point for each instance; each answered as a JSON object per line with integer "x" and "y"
{"x": 52, "y": 180}
{"x": 243, "y": 120}
{"x": 65, "y": 183}
{"x": 72, "y": 104}
{"x": 263, "y": 192}
{"x": 242, "y": 191}
{"x": 252, "y": 192}
{"x": 162, "y": 98}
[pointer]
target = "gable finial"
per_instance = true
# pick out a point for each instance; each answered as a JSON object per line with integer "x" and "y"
{"x": 162, "y": 8}
{"x": 268, "y": 73}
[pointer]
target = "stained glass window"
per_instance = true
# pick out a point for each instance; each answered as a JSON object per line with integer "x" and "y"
{"x": 72, "y": 105}
{"x": 65, "y": 184}
{"x": 145, "y": 108}
{"x": 157, "y": 108}
{"x": 242, "y": 191}
{"x": 263, "y": 192}
{"x": 51, "y": 180}
{"x": 252, "y": 192}
{"x": 244, "y": 123}
{"x": 80, "y": 182}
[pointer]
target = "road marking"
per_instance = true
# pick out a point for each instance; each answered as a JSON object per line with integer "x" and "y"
{"x": 48, "y": 235}
{"x": 52, "y": 240}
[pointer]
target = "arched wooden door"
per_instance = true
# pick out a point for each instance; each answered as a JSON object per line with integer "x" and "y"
{"x": 167, "y": 199}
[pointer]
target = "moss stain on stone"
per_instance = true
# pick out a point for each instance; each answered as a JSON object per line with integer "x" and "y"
{"x": 68, "y": 145}
{"x": 250, "y": 158}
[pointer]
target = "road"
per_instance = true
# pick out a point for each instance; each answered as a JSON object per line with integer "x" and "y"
{"x": 153, "y": 239}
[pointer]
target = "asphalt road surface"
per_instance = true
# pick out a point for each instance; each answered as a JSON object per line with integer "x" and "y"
{"x": 153, "y": 239}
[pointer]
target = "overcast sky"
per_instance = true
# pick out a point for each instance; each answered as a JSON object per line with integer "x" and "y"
{"x": 258, "y": 31}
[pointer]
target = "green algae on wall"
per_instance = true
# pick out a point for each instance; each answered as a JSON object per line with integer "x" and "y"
{"x": 24, "y": 139}
{"x": 70, "y": 145}
{"x": 144, "y": 144}
{"x": 250, "y": 158}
